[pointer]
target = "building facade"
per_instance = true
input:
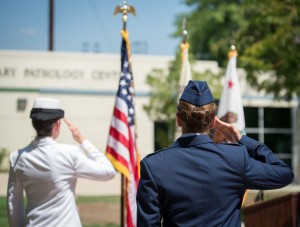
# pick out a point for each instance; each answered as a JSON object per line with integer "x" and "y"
{"x": 87, "y": 84}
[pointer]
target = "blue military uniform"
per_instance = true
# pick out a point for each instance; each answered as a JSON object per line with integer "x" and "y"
{"x": 196, "y": 182}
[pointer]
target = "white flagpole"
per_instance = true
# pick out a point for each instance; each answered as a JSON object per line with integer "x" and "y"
{"x": 186, "y": 72}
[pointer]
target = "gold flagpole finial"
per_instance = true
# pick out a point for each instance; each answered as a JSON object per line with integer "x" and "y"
{"x": 124, "y": 9}
{"x": 232, "y": 52}
{"x": 184, "y": 46}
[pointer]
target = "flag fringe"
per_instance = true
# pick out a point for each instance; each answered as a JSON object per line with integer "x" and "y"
{"x": 118, "y": 166}
{"x": 125, "y": 36}
{"x": 232, "y": 53}
{"x": 184, "y": 47}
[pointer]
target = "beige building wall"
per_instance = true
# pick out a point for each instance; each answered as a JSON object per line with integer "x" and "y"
{"x": 86, "y": 84}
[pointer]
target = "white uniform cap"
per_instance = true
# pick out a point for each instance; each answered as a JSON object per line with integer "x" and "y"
{"x": 46, "y": 103}
{"x": 46, "y": 109}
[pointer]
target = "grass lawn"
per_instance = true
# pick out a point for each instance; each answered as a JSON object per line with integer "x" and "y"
{"x": 80, "y": 200}
{"x": 100, "y": 199}
{"x": 97, "y": 204}
{"x": 3, "y": 213}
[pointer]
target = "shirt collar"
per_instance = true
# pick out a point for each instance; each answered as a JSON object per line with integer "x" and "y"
{"x": 42, "y": 141}
{"x": 191, "y": 134}
{"x": 191, "y": 139}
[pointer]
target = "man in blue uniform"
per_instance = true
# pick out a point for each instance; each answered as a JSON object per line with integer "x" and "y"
{"x": 196, "y": 182}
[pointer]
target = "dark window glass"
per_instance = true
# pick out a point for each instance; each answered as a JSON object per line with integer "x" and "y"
{"x": 163, "y": 134}
{"x": 253, "y": 136}
{"x": 279, "y": 143}
{"x": 277, "y": 118}
{"x": 21, "y": 104}
{"x": 287, "y": 161}
{"x": 251, "y": 117}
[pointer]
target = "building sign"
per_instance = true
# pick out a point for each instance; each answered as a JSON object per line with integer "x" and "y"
{"x": 34, "y": 70}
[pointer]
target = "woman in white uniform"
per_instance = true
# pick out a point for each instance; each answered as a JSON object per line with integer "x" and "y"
{"x": 47, "y": 171}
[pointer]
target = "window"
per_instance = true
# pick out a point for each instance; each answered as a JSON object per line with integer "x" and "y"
{"x": 163, "y": 134}
{"x": 21, "y": 104}
{"x": 277, "y": 117}
{"x": 272, "y": 126}
{"x": 251, "y": 117}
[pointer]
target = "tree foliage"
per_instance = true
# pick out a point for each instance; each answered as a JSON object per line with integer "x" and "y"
{"x": 271, "y": 44}
{"x": 164, "y": 85}
{"x": 213, "y": 27}
{"x": 165, "y": 89}
{"x": 266, "y": 34}
{"x": 164, "y": 98}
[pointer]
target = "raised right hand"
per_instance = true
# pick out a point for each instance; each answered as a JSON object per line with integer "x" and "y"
{"x": 231, "y": 133}
{"x": 75, "y": 132}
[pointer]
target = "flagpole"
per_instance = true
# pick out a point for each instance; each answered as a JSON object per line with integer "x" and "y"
{"x": 185, "y": 74}
{"x": 230, "y": 109}
{"x": 122, "y": 221}
{"x": 124, "y": 9}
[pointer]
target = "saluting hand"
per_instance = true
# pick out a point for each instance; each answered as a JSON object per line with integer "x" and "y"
{"x": 75, "y": 132}
{"x": 231, "y": 133}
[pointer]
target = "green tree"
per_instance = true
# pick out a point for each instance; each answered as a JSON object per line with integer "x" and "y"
{"x": 266, "y": 34}
{"x": 164, "y": 85}
{"x": 3, "y": 154}
{"x": 164, "y": 98}
{"x": 213, "y": 27}
{"x": 162, "y": 103}
{"x": 270, "y": 43}
{"x": 165, "y": 89}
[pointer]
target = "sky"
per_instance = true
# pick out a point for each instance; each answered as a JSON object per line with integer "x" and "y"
{"x": 90, "y": 26}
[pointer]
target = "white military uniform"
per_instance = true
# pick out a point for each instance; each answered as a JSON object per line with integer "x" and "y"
{"x": 48, "y": 171}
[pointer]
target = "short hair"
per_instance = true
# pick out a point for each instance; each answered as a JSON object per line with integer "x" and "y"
{"x": 196, "y": 119}
{"x": 43, "y": 128}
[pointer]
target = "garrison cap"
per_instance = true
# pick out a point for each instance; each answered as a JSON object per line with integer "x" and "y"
{"x": 46, "y": 109}
{"x": 197, "y": 93}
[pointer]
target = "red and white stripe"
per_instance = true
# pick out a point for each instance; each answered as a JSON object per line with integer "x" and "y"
{"x": 122, "y": 147}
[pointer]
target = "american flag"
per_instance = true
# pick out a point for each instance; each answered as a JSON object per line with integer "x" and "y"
{"x": 121, "y": 145}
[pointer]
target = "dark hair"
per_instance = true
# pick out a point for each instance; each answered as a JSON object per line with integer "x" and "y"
{"x": 43, "y": 128}
{"x": 196, "y": 118}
